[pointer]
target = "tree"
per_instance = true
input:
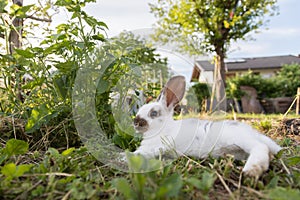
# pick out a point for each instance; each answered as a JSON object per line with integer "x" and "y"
{"x": 12, "y": 30}
{"x": 199, "y": 26}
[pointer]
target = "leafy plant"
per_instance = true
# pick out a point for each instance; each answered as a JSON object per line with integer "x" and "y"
{"x": 11, "y": 170}
{"x": 288, "y": 77}
{"x": 53, "y": 65}
{"x": 280, "y": 193}
{"x": 264, "y": 87}
{"x": 285, "y": 83}
{"x": 138, "y": 187}
{"x": 133, "y": 61}
{"x": 13, "y": 147}
{"x": 204, "y": 184}
{"x": 196, "y": 95}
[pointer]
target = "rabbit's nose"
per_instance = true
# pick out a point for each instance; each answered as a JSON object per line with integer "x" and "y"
{"x": 139, "y": 122}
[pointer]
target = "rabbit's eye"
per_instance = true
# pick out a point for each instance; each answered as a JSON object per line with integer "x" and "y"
{"x": 153, "y": 114}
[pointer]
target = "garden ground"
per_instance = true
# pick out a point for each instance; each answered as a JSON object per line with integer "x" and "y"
{"x": 74, "y": 174}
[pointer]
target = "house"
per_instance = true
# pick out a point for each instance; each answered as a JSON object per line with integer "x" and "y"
{"x": 265, "y": 66}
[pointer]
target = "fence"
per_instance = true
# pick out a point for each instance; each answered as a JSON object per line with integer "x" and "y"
{"x": 298, "y": 102}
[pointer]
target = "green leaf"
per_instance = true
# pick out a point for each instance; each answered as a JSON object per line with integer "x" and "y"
{"x": 12, "y": 171}
{"x": 66, "y": 66}
{"x": 90, "y": 21}
{"x": 293, "y": 160}
{"x": 280, "y": 193}
{"x": 139, "y": 181}
{"x": 207, "y": 180}
{"x": 53, "y": 152}
{"x": 9, "y": 170}
{"x": 119, "y": 140}
{"x": 93, "y": 22}
{"x": 122, "y": 185}
{"x": 135, "y": 162}
{"x": 60, "y": 84}
{"x": 273, "y": 183}
{"x": 102, "y": 24}
{"x": 205, "y": 183}
{"x": 15, "y": 147}
{"x": 75, "y": 15}
{"x": 34, "y": 83}
{"x": 195, "y": 182}
{"x": 99, "y": 37}
{"x": 40, "y": 115}
{"x": 25, "y": 53}
{"x": 21, "y": 12}
{"x": 170, "y": 187}
{"x": 102, "y": 86}
{"x": 22, "y": 169}
{"x": 67, "y": 151}
{"x": 3, "y": 157}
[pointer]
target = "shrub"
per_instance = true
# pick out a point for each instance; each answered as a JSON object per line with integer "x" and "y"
{"x": 77, "y": 44}
{"x": 284, "y": 84}
{"x": 289, "y": 79}
{"x": 264, "y": 87}
{"x": 196, "y": 95}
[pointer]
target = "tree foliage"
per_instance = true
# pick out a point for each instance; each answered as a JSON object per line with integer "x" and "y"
{"x": 16, "y": 19}
{"x": 153, "y": 68}
{"x": 204, "y": 25}
{"x": 199, "y": 26}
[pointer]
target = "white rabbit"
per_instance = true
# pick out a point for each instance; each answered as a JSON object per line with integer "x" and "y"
{"x": 199, "y": 138}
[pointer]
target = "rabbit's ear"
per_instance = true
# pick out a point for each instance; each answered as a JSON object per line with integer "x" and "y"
{"x": 173, "y": 91}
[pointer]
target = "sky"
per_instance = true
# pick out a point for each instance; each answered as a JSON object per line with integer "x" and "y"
{"x": 281, "y": 38}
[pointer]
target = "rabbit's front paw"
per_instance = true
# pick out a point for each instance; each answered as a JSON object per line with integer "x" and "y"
{"x": 255, "y": 169}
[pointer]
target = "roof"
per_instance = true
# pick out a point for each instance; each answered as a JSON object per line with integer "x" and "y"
{"x": 251, "y": 63}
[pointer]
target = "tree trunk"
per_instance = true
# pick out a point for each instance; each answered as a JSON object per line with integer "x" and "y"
{"x": 15, "y": 41}
{"x": 15, "y": 36}
{"x": 219, "y": 81}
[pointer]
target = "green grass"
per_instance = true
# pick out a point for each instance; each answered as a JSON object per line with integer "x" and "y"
{"x": 242, "y": 116}
{"x": 75, "y": 174}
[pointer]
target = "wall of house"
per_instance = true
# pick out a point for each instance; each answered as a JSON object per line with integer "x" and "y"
{"x": 268, "y": 73}
{"x": 206, "y": 77}
{"x": 265, "y": 73}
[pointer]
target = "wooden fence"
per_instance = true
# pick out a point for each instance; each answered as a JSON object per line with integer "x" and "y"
{"x": 298, "y": 102}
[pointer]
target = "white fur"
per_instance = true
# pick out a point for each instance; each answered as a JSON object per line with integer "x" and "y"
{"x": 200, "y": 138}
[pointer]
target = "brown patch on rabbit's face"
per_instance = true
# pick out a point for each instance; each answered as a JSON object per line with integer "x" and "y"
{"x": 140, "y": 124}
